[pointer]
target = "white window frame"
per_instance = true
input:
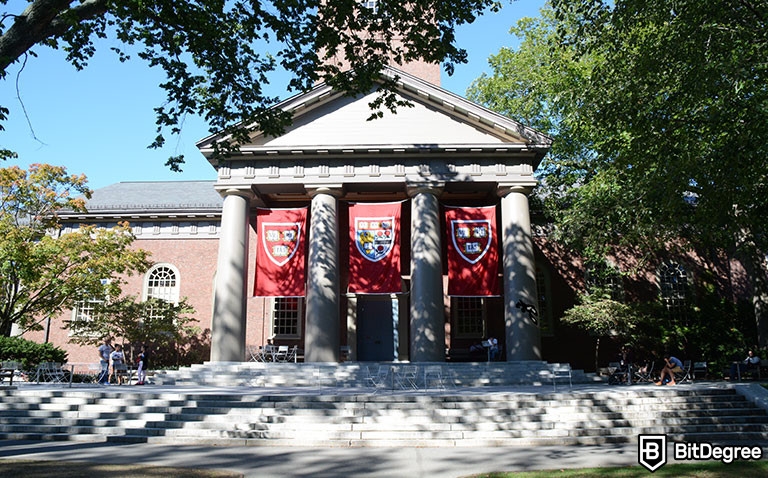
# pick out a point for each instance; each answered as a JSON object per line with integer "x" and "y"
{"x": 674, "y": 282}
{"x": 276, "y": 307}
{"x": 172, "y": 293}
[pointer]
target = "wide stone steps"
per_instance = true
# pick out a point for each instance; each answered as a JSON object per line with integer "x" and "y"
{"x": 353, "y": 374}
{"x": 358, "y": 418}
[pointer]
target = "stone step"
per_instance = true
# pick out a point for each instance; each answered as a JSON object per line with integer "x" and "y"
{"x": 359, "y": 419}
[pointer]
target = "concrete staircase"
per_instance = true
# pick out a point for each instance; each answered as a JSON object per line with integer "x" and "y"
{"x": 338, "y": 417}
{"x": 353, "y": 374}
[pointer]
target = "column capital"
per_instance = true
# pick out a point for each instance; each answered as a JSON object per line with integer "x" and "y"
{"x": 335, "y": 190}
{"x": 503, "y": 189}
{"x": 245, "y": 192}
{"x": 433, "y": 188}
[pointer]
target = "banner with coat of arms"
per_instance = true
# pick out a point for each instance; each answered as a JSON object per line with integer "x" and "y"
{"x": 281, "y": 252}
{"x": 473, "y": 257}
{"x": 374, "y": 256}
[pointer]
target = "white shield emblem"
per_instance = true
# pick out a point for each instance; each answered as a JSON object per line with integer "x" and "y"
{"x": 374, "y": 236}
{"x": 471, "y": 238}
{"x": 652, "y": 451}
{"x": 280, "y": 240}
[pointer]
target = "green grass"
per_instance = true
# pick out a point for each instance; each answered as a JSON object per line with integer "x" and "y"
{"x": 708, "y": 469}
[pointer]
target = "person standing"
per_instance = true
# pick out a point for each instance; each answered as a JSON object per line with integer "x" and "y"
{"x": 105, "y": 350}
{"x": 118, "y": 364}
{"x": 141, "y": 370}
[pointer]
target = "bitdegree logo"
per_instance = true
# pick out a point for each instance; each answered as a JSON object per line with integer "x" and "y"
{"x": 708, "y": 451}
{"x": 652, "y": 452}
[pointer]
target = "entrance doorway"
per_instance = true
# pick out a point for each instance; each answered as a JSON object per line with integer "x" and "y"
{"x": 377, "y": 338}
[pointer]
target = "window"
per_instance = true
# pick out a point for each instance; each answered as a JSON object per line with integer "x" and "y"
{"x": 468, "y": 317}
{"x": 604, "y": 278}
{"x": 372, "y": 5}
{"x": 674, "y": 285}
{"x": 84, "y": 312}
{"x": 286, "y": 316}
{"x": 162, "y": 282}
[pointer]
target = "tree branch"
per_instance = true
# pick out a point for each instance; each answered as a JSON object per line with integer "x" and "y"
{"x": 41, "y": 20}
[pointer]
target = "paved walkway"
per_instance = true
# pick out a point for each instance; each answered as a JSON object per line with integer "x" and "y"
{"x": 330, "y": 462}
{"x": 334, "y": 462}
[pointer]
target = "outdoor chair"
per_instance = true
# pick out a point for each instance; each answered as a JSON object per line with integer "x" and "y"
{"x": 281, "y": 355}
{"x": 406, "y": 376}
{"x": 699, "y": 368}
{"x": 433, "y": 374}
{"x": 619, "y": 374}
{"x": 645, "y": 374}
{"x": 50, "y": 372}
{"x": 685, "y": 374}
{"x": 377, "y": 380}
{"x": 561, "y": 371}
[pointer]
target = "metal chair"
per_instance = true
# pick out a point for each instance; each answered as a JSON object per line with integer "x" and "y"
{"x": 560, "y": 371}
{"x": 406, "y": 376}
{"x": 699, "y": 368}
{"x": 619, "y": 374}
{"x": 377, "y": 380}
{"x": 645, "y": 374}
{"x": 256, "y": 354}
{"x": 433, "y": 374}
{"x": 281, "y": 355}
{"x": 50, "y": 372}
{"x": 685, "y": 374}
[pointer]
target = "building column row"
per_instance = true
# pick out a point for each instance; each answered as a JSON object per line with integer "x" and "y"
{"x": 427, "y": 316}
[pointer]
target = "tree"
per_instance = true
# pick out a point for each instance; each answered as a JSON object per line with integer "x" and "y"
{"x": 667, "y": 126}
{"x": 154, "y": 322}
{"x": 43, "y": 271}
{"x": 218, "y": 55}
{"x": 601, "y": 316}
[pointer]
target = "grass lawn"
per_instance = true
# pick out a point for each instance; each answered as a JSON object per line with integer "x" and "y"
{"x": 707, "y": 469}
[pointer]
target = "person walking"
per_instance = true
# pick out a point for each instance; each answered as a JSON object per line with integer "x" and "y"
{"x": 105, "y": 351}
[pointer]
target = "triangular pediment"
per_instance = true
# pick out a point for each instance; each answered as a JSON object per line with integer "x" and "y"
{"x": 325, "y": 120}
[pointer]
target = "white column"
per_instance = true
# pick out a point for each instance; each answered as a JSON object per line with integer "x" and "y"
{"x": 427, "y": 309}
{"x": 321, "y": 339}
{"x": 229, "y": 301}
{"x": 522, "y": 335}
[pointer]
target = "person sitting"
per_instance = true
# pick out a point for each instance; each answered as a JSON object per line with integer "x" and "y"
{"x": 748, "y": 365}
{"x": 672, "y": 365}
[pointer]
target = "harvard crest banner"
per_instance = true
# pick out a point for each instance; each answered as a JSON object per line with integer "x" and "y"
{"x": 374, "y": 256}
{"x": 281, "y": 252}
{"x": 473, "y": 257}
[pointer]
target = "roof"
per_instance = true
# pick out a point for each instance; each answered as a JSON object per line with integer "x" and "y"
{"x": 326, "y": 121}
{"x": 155, "y": 196}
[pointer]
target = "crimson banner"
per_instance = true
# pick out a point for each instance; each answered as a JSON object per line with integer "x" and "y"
{"x": 374, "y": 256}
{"x": 473, "y": 257}
{"x": 281, "y": 252}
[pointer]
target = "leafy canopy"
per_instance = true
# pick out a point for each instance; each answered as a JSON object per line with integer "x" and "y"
{"x": 44, "y": 271}
{"x": 218, "y": 55}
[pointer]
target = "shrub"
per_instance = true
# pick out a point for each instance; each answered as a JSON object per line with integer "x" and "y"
{"x": 29, "y": 353}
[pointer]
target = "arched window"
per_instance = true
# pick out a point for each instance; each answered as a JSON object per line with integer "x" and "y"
{"x": 162, "y": 282}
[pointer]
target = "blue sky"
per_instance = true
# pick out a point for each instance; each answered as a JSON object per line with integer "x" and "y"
{"x": 98, "y": 121}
